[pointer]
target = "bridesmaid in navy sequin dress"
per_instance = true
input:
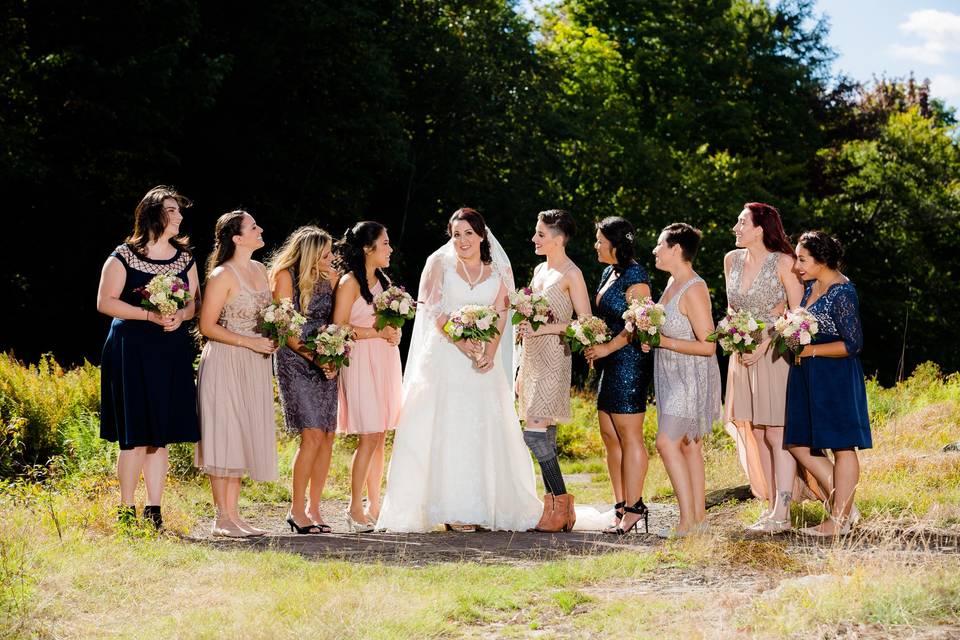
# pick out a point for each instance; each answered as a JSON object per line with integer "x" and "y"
{"x": 308, "y": 393}
{"x": 826, "y": 394}
{"x": 625, "y": 371}
{"x": 147, "y": 393}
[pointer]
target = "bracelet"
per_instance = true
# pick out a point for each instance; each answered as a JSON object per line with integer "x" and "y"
{"x": 813, "y": 352}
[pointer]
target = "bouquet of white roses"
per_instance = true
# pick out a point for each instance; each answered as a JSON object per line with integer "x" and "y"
{"x": 643, "y": 319}
{"x": 794, "y": 330}
{"x": 530, "y": 306}
{"x": 738, "y": 332}
{"x": 279, "y": 321}
{"x": 472, "y": 322}
{"x": 586, "y": 332}
{"x": 165, "y": 293}
{"x": 393, "y": 307}
{"x": 332, "y": 345}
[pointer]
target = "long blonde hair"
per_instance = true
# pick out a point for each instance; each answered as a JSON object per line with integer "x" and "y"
{"x": 302, "y": 251}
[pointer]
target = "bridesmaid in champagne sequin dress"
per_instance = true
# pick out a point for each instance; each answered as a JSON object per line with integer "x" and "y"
{"x": 543, "y": 380}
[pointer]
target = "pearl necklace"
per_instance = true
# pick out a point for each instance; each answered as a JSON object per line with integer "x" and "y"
{"x": 471, "y": 282}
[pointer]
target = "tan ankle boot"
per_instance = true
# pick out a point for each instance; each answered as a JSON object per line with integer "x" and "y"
{"x": 571, "y": 513}
{"x": 547, "y": 512}
{"x": 558, "y": 517}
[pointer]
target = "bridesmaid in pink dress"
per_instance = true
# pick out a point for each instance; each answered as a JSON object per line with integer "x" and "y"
{"x": 370, "y": 388}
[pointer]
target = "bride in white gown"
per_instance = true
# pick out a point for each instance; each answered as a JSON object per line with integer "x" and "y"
{"x": 458, "y": 452}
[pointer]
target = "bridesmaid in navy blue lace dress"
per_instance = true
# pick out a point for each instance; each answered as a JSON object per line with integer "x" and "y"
{"x": 308, "y": 393}
{"x": 148, "y": 398}
{"x": 826, "y": 394}
{"x": 625, "y": 371}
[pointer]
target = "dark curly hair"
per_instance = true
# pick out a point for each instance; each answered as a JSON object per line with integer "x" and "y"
{"x": 479, "y": 226}
{"x": 823, "y": 248}
{"x": 228, "y": 225}
{"x": 350, "y": 257}
{"x": 620, "y": 234}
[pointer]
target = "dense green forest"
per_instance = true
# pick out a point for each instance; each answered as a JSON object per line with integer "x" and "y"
{"x": 329, "y": 111}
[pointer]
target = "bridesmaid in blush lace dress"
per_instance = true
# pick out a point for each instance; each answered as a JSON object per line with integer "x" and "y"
{"x": 370, "y": 388}
{"x": 302, "y": 270}
{"x": 235, "y": 378}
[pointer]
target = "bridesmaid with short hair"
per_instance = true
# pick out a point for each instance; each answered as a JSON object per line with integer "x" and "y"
{"x": 685, "y": 374}
{"x": 826, "y": 393}
{"x": 370, "y": 390}
{"x": 235, "y": 378}
{"x": 147, "y": 393}
{"x": 302, "y": 270}
{"x": 543, "y": 380}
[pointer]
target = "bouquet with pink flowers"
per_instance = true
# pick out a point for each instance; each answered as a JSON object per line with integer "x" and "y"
{"x": 393, "y": 307}
{"x": 643, "y": 319}
{"x": 165, "y": 294}
{"x": 794, "y": 330}
{"x": 530, "y": 306}
{"x": 738, "y": 332}
{"x": 332, "y": 345}
{"x": 586, "y": 332}
{"x": 279, "y": 321}
{"x": 472, "y": 322}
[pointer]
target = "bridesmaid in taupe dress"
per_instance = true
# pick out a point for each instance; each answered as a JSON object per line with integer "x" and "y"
{"x": 235, "y": 378}
{"x": 760, "y": 277}
{"x": 543, "y": 381}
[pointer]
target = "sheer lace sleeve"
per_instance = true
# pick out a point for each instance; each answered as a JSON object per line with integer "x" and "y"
{"x": 846, "y": 314}
{"x": 430, "y": 294}
{"x": 635, "y": 274}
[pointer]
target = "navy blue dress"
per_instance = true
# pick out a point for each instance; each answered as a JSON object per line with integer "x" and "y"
{"x": 827, "y": 397}
{"x": 625, "y": 374}
{"x": 148, "y": 397}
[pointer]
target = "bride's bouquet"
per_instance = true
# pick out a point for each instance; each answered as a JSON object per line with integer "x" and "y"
{"x": 472, "y": 322}
{"x": 393, "y": 307}
{"x": 165, "y": 294}
{"x": 738, "y": 332}
{"x": 586, "y": 332}
{"x": 279, "y": 321}
{"x": 332, "y": 345}
{"x": 794, "y": 330}
{"x": 643, "y": 320}
{"x": 530, "y": 306}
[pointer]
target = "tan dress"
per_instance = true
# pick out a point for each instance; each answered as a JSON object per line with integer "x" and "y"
{"x": 545, "y": 366}
{"x": 235, "y": 397}
{"x": 758, "y": 394}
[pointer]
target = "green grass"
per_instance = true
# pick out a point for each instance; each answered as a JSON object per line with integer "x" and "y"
{"x": 66, "y": 570}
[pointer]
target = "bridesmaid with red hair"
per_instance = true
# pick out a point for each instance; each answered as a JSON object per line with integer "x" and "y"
{"x": 760, "y": 277}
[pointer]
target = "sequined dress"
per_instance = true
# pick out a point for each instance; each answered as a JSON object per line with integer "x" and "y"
{"x": 827, "y": 397}
{"x": 757, "y": 394}
{"x": 625, "y": 374}
{"x": 545, "y": 365}
{"x": 687, "y": 386}
{"x": 147, "y": 394}
{"x": 308, "y": 398}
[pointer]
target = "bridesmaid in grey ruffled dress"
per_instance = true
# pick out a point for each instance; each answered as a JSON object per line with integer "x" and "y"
{"x": 685, "y": 375}
{"x": 302, "y": 269}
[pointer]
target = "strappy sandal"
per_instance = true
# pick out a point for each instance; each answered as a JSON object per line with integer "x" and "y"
{"x": 305, "y": 529}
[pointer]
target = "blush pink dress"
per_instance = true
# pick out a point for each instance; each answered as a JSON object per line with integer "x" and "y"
{"x": 370, "y": 390}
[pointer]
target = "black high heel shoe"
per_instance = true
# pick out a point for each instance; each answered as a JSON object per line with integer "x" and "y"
{"x": 618, "y": 514}
{"x": 640, "y": 509}
{"x": 304, "y": 530}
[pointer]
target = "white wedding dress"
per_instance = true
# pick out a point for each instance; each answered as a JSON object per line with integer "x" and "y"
{"x": 458, "y": 452}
